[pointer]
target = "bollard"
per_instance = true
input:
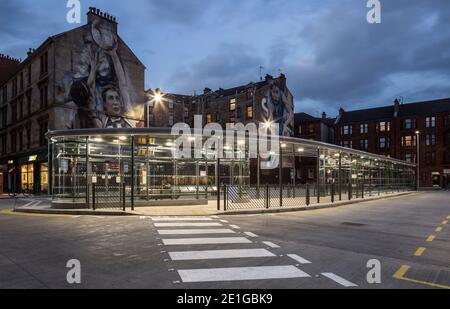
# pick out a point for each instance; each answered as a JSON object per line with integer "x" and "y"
{"x": 349, "y": 191}
{"x": 307, "y": 195}
{"x": 225, "y": 194}
{"x": 332, "y": 192}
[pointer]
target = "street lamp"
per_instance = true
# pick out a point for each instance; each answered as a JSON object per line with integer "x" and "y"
{"x": 155, "y": 98}
{"x": 418, "y": 158}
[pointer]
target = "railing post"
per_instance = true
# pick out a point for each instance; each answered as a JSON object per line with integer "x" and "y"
{"x": 332, "y": 192}
{"x": 93, "y": 196}
{"x": 267, "y": 197}
{"x": 225, "y": 194}
{"x": 281, "y": 195}
{"x": 362, "y": 189}
{"x": 349, "y": 191}
{"x": 307, "y": 195}
{"x": 124, "y": 196}
{"x": 132, "y": 173}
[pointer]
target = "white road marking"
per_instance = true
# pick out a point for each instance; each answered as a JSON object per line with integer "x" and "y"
{"x": 196, "y": 232}
{"x": 206, "y": 241}
{"x": 219, "y": 254}
{"x": 339, "y": 280}
{"x": 223, "y": 221}
{"x": 185, "y": 224}
{"x": 299, "y": 259}
{"x": 250, "y": 234}
{"x": 270, "y": 244}
{"x": 181, "y": 219}
{"x": 241, "y": 273}
{"x": 234, "y": 226}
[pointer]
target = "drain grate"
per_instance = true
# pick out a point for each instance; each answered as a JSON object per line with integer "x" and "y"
{"x": 352, "y": 224}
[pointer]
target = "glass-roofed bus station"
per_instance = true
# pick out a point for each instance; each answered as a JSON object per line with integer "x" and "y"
{"x": 129, "y": 168}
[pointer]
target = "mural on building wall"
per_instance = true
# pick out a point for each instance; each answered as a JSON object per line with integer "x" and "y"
{"x": 98, "y": 92}
{"x": 278, "y": 107}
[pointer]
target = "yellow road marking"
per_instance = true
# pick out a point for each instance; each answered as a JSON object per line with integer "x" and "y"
{"x": 12, "y": 213}
{"x": 400, "y": 275}
{"x": 431, "y": 238}
{"x": 444, "y": 222}
{"x": 438, "y": 229}
{"x": 420, "y": 251}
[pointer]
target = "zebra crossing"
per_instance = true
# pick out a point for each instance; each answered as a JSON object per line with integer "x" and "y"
{"x": 183, "y": 234}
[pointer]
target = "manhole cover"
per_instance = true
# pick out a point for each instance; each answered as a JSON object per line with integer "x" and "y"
{"x": 352, "y": 224}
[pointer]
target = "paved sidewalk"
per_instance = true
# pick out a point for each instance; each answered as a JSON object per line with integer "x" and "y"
{"x": 198, "y": 210}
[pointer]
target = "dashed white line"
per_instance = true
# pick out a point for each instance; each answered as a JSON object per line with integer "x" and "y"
{"x": 206, "y": 241}
{"x": 339, "y": 280}
{"x": 299, "y": 259}
{"x": 250, "y": 234}
{"x": 196, "y": 232}
{"x": 270, "y": 244}
{"x": 234, "y": 226}
{"x": 241, "y": 273}
{"x": 219, "y": 254}
{"x": 158, "y": 219}
{"x": 184, "y": 224}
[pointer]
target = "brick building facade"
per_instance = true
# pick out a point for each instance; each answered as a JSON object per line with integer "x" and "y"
{"x": 392, "y": 131}
{"x": 83, "y": 78}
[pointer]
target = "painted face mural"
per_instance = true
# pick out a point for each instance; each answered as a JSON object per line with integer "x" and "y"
{"x": 98, "y": 91}
{"x": 278, "y": 107}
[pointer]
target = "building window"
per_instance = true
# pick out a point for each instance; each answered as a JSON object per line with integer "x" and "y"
{"x": 14, "y": 112}
{"x": 4, "y": 142}
{"x": 42, "y": 131}
{"x": 4, "y": 117}
{"x": 347, "y": 130}
{"x": 170, "y": 120}
{"x": 430, "y": 139}
{"x": 170, "y": 104}
{"x": 13, "y": 142}
{"x": 21, "y": 109}
{"x": 384, "y": 126}
{"x": 14, "y": 87}
{"x": 5, "y": 94}
{"x": 383, "y": 143}
{"x": 44, "y": 63}
{"x": 430, "y": 122}
{"x": 28, "y": 129}
{"x": 408, "y": 141}
{"x": 364, "y": 144}
{"x": 409, "y": 123}
{"x": 21, "y": 81}
{"x": 232, "y": 105}
{"x": 430, "y": 157}
{"x": 186, "y": 112}
{"x": 249, "y": 94}
{"x": 43, "y": 96}
{"x": 44, "y": 177}
{"x": 29, "y": 103}
{"x": 29, "y": 75}
{"x": 408, "y": 157}
{"x": 27, "y": 177}
{"x": 249, "y": 112}
{"x": 209, "y": 118}
{"x": 347, "y": 144}
{"x": 364, "y": 128}
{"x": 20, "y": 140}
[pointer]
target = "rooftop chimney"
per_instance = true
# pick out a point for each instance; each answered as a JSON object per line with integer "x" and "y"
{"x": 396, "y": 107}
{"x": 95, "y": 14}
{"x": 324, "y": 116}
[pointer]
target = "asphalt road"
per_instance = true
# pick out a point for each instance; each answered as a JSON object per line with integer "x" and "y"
{"x": 313, "y": 249}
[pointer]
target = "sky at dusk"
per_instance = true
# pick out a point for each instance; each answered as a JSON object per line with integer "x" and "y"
{"x": 331, "y": 56}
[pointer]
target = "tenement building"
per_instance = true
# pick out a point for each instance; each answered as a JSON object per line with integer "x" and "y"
{"x": 414, "y": 132}
{"x": 83, "y": 78}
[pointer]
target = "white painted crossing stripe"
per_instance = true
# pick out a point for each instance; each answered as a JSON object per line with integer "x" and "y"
{"x": 250, "y": 234}
{"x": 270, "y": 244}
{"x": 339, "y": 280}
{"x": 241, "y": 273}
{"x": 223, "y": 221}
{"x": 185, "y": 224}
{"x": 196, "y": 232}
{"x": 219, "y": 254}
{"x": 168, "y": 219}
{"x": 206, "y": 241}
{"x": 298, "y": 259}
{"x": 234, "y": 226}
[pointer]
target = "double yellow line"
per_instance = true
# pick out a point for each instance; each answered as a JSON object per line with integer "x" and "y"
{"x": 400, "y": 274}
